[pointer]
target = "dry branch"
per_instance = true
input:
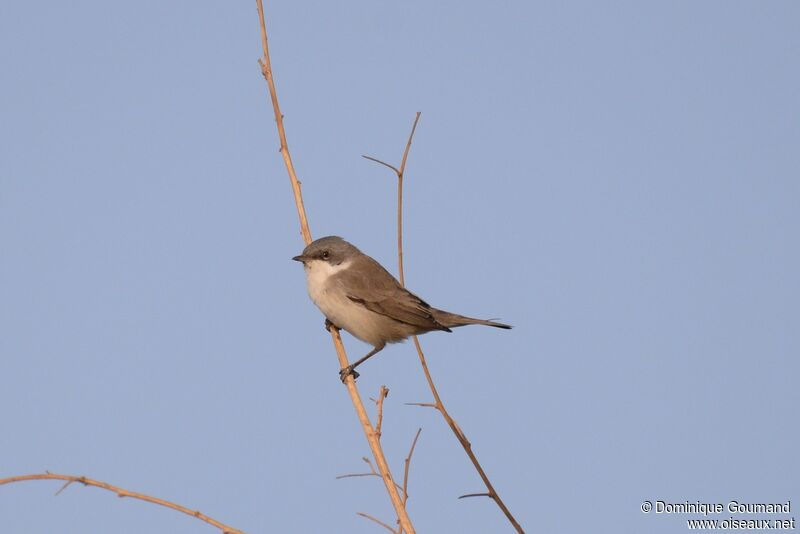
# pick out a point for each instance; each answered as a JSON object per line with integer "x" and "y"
{"x": 369, "y": 431}
{"x": 438, "y": 404}
{"x": 399, "y": 172}
{"x": 372, "y": 473}
{"x": 121, "y": 492}
{"x": 384, "y": 392}
{"x": 381, "y": 523}
{"x": 408, "y": 466}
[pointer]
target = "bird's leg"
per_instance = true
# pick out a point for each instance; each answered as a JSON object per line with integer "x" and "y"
{"x": 351, "y": 369}
{"x": 329, "y": 325}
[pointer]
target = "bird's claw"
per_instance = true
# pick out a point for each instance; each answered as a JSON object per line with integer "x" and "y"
{"x": 348, "y": 371}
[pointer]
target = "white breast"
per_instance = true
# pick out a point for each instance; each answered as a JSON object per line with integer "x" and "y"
{"x": 318, "y": 274}
{"x": 332, "y": 300}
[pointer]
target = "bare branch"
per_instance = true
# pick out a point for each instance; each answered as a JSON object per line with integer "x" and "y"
{"x": 376, "y": 160}
{"x": 423, "y": 404}
{"x": 121, "y": 492}
{"x": 408, "y": 465}
{"x": 384, "y": 392}
{"x": 372, "y": 473}
{"x": 399, "y": 172}
{"x": 369, "y": 463}
{"x": 465, "y": 444}
{"x": 63, "y": 487}
{"x": 408, "y": 144}
{"x": 355, "y": 397}
{"x": 476, "y": 495}
{"x": 439, "y": 405}
{"x": 381, "y": 523}
{"x": 356, "y": 475}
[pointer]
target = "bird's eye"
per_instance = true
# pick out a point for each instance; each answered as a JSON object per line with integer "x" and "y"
{"x": 325, "y": 254}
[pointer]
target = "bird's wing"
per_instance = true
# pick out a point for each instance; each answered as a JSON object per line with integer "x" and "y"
{"x": 367, "y": 283}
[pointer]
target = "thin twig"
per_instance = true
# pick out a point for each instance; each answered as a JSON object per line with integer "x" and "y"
{"x": 381, "y": 523}
{"x": 121, "y": 492}
{"x": 358, "y": 475}
{"x": 439, "y": 405}
{"x": 408, "y": 465}
{"x": 475, "y": 495}
{"x": 372, "y": 473}
{"x": 64, "y": 486}
{"x": 376, "y": 160}
{"x": 423, "y": 404}
{"x": 382, "y": 394}
{"x": 400, "y": 201}
{"x": 369, "y": 431}
{"x": 465, "y": 444}
{"x": 369, "y": 463}
{"x": 399, "y": 172}
{"x": 371, "y": 470}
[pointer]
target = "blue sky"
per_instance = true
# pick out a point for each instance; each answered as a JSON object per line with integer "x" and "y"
{"x": 618, "y": 180}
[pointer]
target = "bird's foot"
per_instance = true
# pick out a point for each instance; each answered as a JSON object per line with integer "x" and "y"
{"x": 329, "y": 325}
{"x": 347, "y": 371}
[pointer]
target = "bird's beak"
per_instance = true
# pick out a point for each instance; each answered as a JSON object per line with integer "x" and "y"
{"x": 300, "y": 258}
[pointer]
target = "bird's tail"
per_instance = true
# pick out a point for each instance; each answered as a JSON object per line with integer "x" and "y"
{"x": 453, "y": 320}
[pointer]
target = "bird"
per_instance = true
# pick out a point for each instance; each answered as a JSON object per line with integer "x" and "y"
{"x": 357, "y": 294}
